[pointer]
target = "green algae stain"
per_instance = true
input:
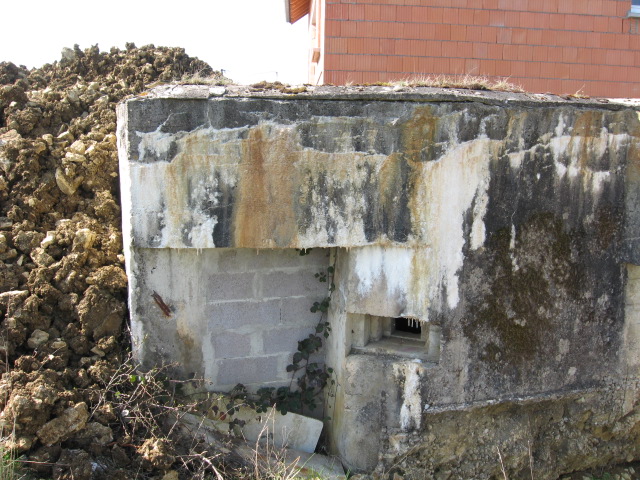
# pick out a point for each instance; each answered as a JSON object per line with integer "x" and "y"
{"x": 528, "y": 280}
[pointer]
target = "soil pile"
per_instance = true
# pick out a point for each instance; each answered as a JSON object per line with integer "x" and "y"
{"x": 62, "y": 281}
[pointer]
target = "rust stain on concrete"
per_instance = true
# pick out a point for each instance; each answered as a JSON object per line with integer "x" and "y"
{"x": 419, "y": 134}
{"x": 265, "y": 215}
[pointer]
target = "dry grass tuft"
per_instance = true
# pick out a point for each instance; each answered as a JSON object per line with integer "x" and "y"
{"x": 579, "y": 94}
{"x": 467, "y": 82}
{"x": 199, "y": 78}
{"x": 11, "y": 465}
{"x": 269, "y": 462}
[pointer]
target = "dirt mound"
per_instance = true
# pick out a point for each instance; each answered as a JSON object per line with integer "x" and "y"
{"x": 62, "y": 280}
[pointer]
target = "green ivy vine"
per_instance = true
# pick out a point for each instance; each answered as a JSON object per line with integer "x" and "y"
{"x": 308, "y": 378}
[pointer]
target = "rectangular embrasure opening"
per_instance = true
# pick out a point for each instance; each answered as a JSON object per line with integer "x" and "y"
{"x": 407, "y": 327}
{"x": 400, "y": 336}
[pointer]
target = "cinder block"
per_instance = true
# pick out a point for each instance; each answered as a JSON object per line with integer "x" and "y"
{"x": 230, "y": 286}
{"x": 633, "y": 272}
{"x": 231, "y": 345}
{"x": 247, "y": 370}
{"x": 233, "y": 315}
{"x": 632, "y": 292}
{"x": 249, "y": 259}
{"x": 632, "y": 315}
{"x": 317, "y": 257}
{"x": 632, "y": 341}
{"x": 633, "y": 335}
{"x": 284, "y": 340}
{"x": 291, "y": 284}
{"x": 259, "y": 260}
{"x": 297, "y": 311}
{"x": 230, "y": 260}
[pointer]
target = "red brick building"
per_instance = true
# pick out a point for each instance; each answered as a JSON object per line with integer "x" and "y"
{"x": 560, "y": 46}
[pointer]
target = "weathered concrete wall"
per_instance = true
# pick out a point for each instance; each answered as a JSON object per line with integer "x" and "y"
{"x": 507, "y": 221}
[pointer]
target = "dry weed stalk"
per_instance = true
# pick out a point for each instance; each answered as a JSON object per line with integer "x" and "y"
{"x": 504, "y": 472}
{"x": 9, "y": 464}
{"x": 469, "y": 82}
{"x": 149, "y": 407}
{"x": 269, "y": 461}
{"x": 530, "y": 459}
{"x": 579, "y": 94}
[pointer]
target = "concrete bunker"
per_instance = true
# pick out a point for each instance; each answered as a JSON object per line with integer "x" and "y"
{"x": 506, "y": 225}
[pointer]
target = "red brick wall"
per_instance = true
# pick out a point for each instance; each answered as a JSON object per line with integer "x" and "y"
{"x": 560, "y": 46}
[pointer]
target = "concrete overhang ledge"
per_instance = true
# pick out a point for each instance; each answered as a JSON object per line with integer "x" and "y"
{"x": 382, "y": 93}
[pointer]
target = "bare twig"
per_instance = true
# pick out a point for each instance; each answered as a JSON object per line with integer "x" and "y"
{"x": 530, "y": 459}
{"x": 504, "y": 473}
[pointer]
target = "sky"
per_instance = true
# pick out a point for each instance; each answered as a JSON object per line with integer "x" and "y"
{"x": 249, "y": 39}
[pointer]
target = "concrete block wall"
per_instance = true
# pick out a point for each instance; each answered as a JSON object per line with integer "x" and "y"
{"x": 253, "y": 306}
{"x": 546, "y": 46}
{"x": 255, "y": 330}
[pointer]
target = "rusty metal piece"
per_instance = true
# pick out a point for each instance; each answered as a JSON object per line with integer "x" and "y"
{"x": 163, "y": 306}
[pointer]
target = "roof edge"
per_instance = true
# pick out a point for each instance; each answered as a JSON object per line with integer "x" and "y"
{"x": 296, "y": 9}
{"x": 287, "y": 10}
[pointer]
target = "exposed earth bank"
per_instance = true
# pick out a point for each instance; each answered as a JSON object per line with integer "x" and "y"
{"x": 62, "y": 280}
